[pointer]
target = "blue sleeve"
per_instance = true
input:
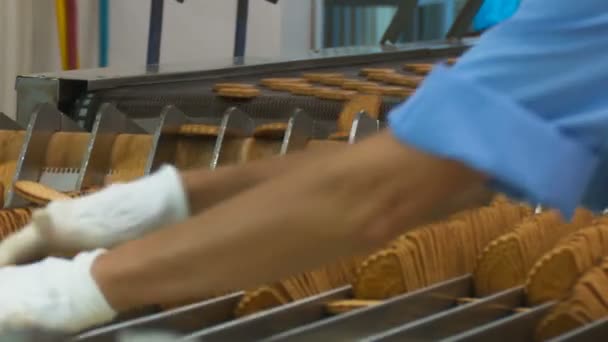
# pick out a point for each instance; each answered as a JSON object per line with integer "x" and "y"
{"x": 528, "y": 105}
{"x": 493, "y": 12}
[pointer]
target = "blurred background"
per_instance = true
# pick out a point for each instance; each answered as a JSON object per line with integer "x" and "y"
{"x": 115, "y": 32}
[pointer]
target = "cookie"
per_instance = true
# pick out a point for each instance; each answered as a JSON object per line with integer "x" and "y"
{"x": 393, "y": 91}
{"x": 356, "y": 84}
{"x": 258, "y": 300}
{"x": 198, "y": 130}
{"x": 342, "y": 306}
{"x": 333, "y": 81}
{"x": 302, "y": 89}
{"x": 281, "y": 80}
{"x": 334, "y": 94}
{"x": 404, "y": 80}
{"x": 275, "y": 130}
{"x": 219, "y": 86}
{"x": 418, "y": 67}
{"x": 38, "y": 193}
{"x": 318, "y": 76}
{"x": 554, "y": 274}
{"x": 379, "y": 76}
{"x": 239, "y": 93}
{"x": 380, "y": 276}
{"x": 367, "y": 71}
{"x": 369, "y": 103}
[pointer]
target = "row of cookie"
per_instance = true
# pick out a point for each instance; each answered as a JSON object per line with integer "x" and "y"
{"x": 336, "y": 85}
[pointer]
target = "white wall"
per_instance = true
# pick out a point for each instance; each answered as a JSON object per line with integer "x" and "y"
{"x": 192, "y": 31}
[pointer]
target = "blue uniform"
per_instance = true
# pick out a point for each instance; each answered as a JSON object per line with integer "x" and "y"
{"x": 493, "y": 12}
{"x": 528, "y": 105}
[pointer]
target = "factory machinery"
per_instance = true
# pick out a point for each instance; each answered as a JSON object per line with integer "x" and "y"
{"x": 82, "y": 129}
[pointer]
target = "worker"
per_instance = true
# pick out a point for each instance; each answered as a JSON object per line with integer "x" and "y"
{"x": 523, "y": 111}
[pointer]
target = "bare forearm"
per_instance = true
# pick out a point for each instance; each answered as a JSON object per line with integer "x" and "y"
{"x": 331, "y": 207}
{"x": 206, "y": 188}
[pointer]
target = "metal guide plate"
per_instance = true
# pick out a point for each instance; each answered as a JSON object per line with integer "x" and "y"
{"x": 44, "y": 122}
{"x": 275, "y": 320}
{"x": 108, "y": 124}
{"x": 9, "y": 124}
{"x": 235, "y": 124}
{"x": 61, "y": 179}
{"x": 393, "y": 312}
{"x": 164, "y": 139}
{"x": 300, "y": 128}
{"x": 456, "y": 320}
{"x": 596, "y": 331}
{"x": 517, "y": 327}
{"x": 184, "y": 320}
{"x": 362, "y": 127}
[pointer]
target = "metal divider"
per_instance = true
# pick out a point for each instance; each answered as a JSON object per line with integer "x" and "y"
{"x": 456, "y": 320}
{"x": 299, "y": 130}
{"x": 235, "y": 124}
{"x": 164, "y": 139}
{"x": 517, "y": 327}
{"x": 596, "y": 331}
{"x": 44, "y": 122}
{"x": 109, "y": 122}
{"x": 273, "y": 321}
{"x": 362, "y": 127}
{"x": 9, "y": 124}
{"x": 184, "y": 320}
{"x": 393, "y": 312}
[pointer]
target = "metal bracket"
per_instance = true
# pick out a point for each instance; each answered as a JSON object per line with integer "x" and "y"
{"x": 109, "y": 122}
{"x": 44, "y": 122}
{"x": 185, "y": 319}
{"x": 456, "y": 320}
{"x": 299, "y": 131}
{"x": 8, "y": 124}
{"x": 362, "y": 127}
{"x": 463, "y": 21}
{"x": 164, "y": 138}
{"x": 404, "y": 23}
{"x": 399, "y": 310}
{"x": 234, "y": 123}
{"x": 272, "y": 321}
{"x": 517, "y": 327}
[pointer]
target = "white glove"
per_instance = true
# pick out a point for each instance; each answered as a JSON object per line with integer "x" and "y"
{"x": 117, "y": 214}
{"x": 54, "y": 294}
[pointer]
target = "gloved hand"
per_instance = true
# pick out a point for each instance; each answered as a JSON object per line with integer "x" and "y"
{"x": 119, "y": 213}
{"x": 54, "y": 294}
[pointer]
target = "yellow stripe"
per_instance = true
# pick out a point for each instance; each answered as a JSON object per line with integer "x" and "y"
{"x": 62, "y": 33}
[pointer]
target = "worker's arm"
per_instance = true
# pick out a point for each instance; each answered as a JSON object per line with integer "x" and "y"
{"x": 124, "y": 212}
{"x": 334, "y": 205}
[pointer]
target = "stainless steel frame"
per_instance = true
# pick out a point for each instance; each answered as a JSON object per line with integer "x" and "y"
{"x": 62, "y": 89}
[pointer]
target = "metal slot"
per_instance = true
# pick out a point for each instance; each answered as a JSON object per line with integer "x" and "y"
{"x": 164, "y": 140}
{"x": 109, "y": 122}
{"x": 184, "y": 320}
{"x": 235, "y": 124}
{"x": 8, "y": 124}
{"x": 299, "y": 130}
{"x": 273, "y": 321}
{"x": 362, "y": 127}
{"x": 596, "y": 331}
{"x": 366, "y": 322}
{"x": 517, "y": 327}
{"x": 44, "y": 122}
{"x": 456, "y": 320}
